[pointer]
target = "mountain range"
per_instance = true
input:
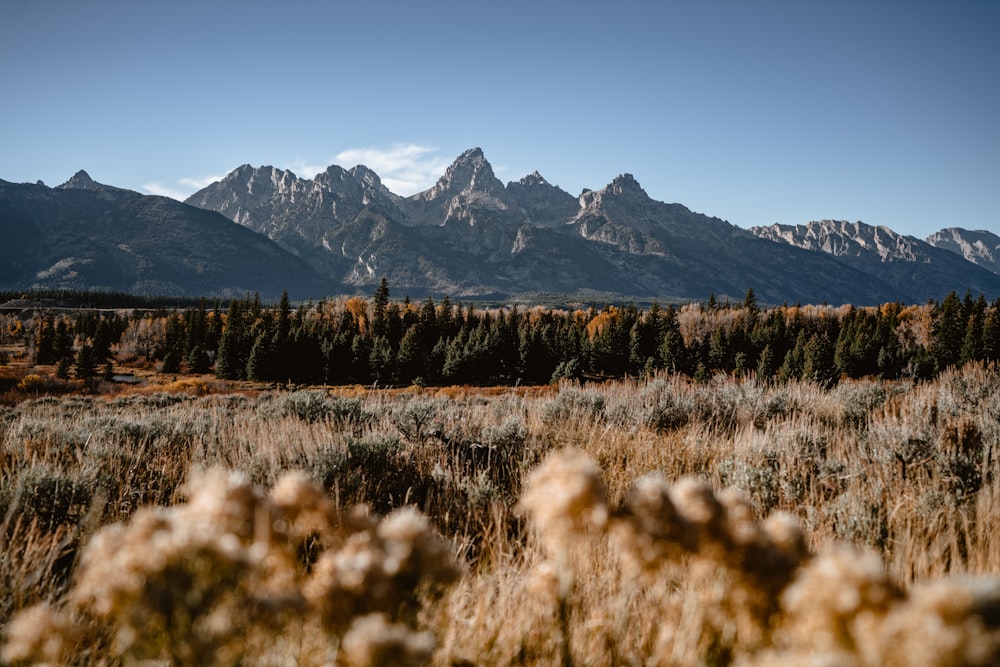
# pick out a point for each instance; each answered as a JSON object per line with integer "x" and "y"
{"x": 83, "y": 235}
{"x": 910, "y": 266}
{"x": 468, "y": 236}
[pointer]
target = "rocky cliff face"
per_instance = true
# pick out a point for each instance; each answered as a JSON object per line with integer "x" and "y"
{"x": 979, "y": 247}
{"x": 915, "y": 269}
{"x": 540, "y": 203}
{"x": 849, "y": 239}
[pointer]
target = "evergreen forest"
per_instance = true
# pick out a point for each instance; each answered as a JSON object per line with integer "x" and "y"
{"x": 400, "y": 343}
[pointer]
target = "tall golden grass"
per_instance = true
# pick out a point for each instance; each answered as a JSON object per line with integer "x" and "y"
{"x": 643, "y": 522}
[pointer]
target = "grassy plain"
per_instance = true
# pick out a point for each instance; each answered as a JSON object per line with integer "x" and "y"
{"x": 655, "y": 522}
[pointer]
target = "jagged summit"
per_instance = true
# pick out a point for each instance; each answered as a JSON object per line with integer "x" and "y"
{"x": 625, "y": 184}
{"x": 623, "y": 188}
{"x": 540, "y": 202}
{"x": 366, "y": 177}
{"x": 842, "y": 238}
{"x": 979, "y": 246}
{"x": 532, "y": 179}
{"x": 475, "y": 153}
{"x": 81, "y": 180}
{"x": 470, "y": 172}
{"x": 915, "y": 268}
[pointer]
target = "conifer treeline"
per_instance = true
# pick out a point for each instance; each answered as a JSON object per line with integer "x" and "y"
{"x": 99, "y": 299}
{"x": 355, "y": 340}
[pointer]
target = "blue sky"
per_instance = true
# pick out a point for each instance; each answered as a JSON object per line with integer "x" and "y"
{"x": 755, "y": 112}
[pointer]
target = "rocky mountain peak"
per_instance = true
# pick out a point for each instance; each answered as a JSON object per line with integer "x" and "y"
{"x": 475, "y": 154}
{"x": 532, "y": 179}
{"x": 541, "y": 202}
{"x": 979, "y": 247}
{"x": 913, "y": 267}
{"x": 841, "y": 237}
{"x": 81, "y": 180}
{"x": 626, "y": 184}
{"x": 469, "y": 173}
{"x": 624, "y": 188}
{"x": 368, "y": 179}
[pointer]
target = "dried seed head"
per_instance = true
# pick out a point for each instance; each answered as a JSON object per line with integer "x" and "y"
{"x": 953, "y": 621}
{"x": 372, "y": 641}
{"x": 743, "y": 530}
{"x": 39, "y": 635}
{"x": 222, "y": 501}
{"x": 785, "y": 534}
{"x": 301, "y": 505}
{"x": 412, "y": 547}
{"x": 835, "y": 593}
{"x": 701, "y": 510}
{"x": 565, "y": 497}
{"x": 649, "y": 530}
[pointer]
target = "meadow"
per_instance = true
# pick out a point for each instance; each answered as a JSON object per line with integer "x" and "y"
{"x": 664, "y": 521}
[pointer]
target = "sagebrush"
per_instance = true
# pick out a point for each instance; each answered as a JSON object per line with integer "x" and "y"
{"x": 656, "y": 522}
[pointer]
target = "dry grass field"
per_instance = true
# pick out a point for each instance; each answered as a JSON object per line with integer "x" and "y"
{"x": 660, "y": 522}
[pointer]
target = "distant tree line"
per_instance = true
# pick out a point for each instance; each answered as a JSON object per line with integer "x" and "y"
{"x": 100, "y": 299}
{"x": 391, "y": 342}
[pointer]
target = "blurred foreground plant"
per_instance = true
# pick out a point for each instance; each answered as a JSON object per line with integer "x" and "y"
{"x": 753, "y": 592}
{"x": 236, "y": 576}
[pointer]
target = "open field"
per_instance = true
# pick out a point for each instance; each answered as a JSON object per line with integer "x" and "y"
{"x": 623, "y": 546}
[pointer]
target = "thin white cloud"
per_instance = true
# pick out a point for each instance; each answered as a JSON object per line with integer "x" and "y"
{"x": 155, "y": 188}
{"x": 184, "y": 188}
{"x": 199, "y": 183}
{"x": 303, "y": 169}
{"x": 404, "y": 168}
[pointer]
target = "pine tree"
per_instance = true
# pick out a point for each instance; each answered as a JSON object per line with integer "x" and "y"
{"x": 361, "y": 347}
{"x": 86, "y": 365}
{"x": 949, "y": 332}
{"x": 381, "y": 360}
{"x": 991, "y": 333}
{"x": 428, "y": 324}
{"x": 62, "y": 342}
{"x": 44, "y": 340}
{"x": 791, "y": 367}
{"x": 765, "y": 364}
{"x": 718, "y": 350}
{"x": 234, "y": 343}
{"x": 171, "y": 362}
{"x": 673, "y": 352}
{"x": 379, "y": 304}
{"x": 198, "y": 360}
{"x": 65, "y": 363}
{"x": 411, "y": 358}
{"x": 102, "y": 341}
{"x": 973, "y": 348}
{"x": 284, "y": 318}
{"x": 818, "y": 364}
{"x": 644, "y": 341}
{"x": 259, "y": 363}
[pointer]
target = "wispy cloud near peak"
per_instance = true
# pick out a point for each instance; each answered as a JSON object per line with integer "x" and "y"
{"x": 184, "y": 188}
{"x": 404, "y": 168}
